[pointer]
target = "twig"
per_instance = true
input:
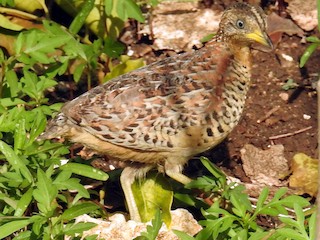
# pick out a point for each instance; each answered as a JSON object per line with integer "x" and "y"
{"x": 268, "y": 114}
{"x": 290, "y": 134}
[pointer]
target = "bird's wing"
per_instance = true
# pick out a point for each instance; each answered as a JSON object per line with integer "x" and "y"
{"x": 145, "y": 109}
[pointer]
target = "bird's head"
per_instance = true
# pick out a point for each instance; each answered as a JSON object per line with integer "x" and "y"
{"x": 244, "y": 24}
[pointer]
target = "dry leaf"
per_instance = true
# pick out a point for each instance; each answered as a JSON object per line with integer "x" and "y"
{"x": 304, "y": 176}
{"x": 278, "y": 25}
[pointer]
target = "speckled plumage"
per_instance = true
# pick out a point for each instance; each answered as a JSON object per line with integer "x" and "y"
{"x": 167, "y": 112}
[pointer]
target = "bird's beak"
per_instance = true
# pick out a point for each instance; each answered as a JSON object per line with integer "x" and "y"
{"x": 261, "y": 38}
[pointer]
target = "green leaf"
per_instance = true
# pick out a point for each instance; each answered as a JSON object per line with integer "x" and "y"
{"x": 13, "y": 82}
{"x": 25, "y": 235}
{"x": 38, "y": 125}
{"x": 182, "y": 235}
{"x": 11, "y": 227}
{"x": 152, "y": 193}
{"x": 77, "y": 210}
{"x": 113, "y": 48}
{"x": 45, "y": 193}
{"x": 81, "y": 17}
{"x": 78, "y": 71}
{"x": 23, "y": 203}
{"x": 213, "y": 169}
{"x": 153, "y": 230}
{"x": 15, "y": 161}
{"x": 307, "y": 53}
{"x": 108, "y": 5}
{"x": 9, "y": 102}
{"x": 312, "y": 226}
{"x": 72, "y": 184}
{"x": 133, "y": 10}
{"x": 207, "y": 38}
{"x": 262, "y": 198}
{"x": 86, "y": 171}
{"x": 20, "y": 136}
{"x": 290, "y": 234}
{"x": 74, "y": 228}
{"x": 125, "y": 66}
{"x": 313, "y": 39}
{"x": 279, "y": 194}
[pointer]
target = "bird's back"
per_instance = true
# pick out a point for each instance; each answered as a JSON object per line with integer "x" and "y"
{"x": 186, "y": 104}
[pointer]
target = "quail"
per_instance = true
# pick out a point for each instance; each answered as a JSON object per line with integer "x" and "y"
{"x": 163, "y": 114}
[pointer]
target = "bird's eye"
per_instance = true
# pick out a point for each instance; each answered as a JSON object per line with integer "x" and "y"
{"x": 240, "y": 24}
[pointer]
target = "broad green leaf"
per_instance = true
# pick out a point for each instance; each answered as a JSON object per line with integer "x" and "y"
{"x": 45, "y": 193}
{"x": 13, "y": 226}
{"x": 113, "y": 48}
{"x": 15, "y": 161}
{"x": 133, "y": 10}
{"x": 81, "y": 17}
{"x": 9, "y": 102}
{"x": 77, "y": 210}
{"x": 13, "y": 82}
{"x": 108, "y": 5}
{"x": 152, "y": 193}
{"x": 23, "y": 203}
{"x": 86, "y": 171}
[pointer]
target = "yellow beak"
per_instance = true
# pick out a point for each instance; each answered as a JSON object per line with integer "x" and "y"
{"x": 261, "y": 38}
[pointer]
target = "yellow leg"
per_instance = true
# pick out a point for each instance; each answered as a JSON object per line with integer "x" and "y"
{"x": 128, "y": 176}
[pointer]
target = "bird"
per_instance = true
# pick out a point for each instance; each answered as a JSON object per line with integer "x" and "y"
{"x": 165, "y": 113}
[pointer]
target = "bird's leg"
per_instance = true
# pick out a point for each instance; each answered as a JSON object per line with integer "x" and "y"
{"x": 173, "y": 168}
{"x": 127, "y": 178}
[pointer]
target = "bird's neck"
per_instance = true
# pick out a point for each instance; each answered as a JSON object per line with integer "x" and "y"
{"x": 242, "y": 55}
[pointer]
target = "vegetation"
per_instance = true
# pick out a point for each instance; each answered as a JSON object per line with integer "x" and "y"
{"x": 41, "y": 194}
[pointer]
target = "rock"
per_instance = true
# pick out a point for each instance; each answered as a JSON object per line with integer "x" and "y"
{"x": 118, "y": 228}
